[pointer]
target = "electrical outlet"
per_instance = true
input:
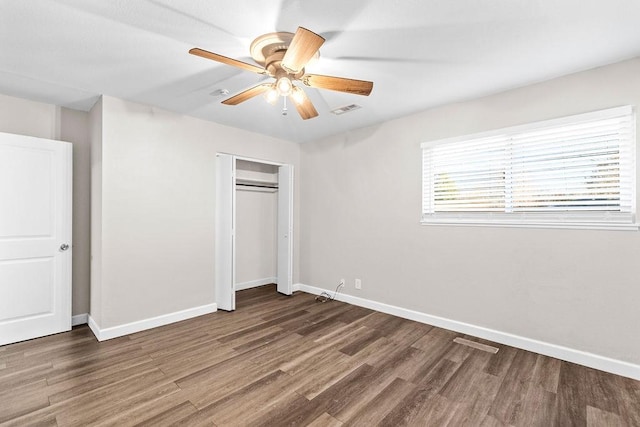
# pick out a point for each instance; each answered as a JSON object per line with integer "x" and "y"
{"x": 358, "y": 284}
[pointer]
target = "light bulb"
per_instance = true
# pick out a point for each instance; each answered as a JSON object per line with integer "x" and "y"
{"x": 272, "y": 95}
{"x": 297, "y": 95}
{"x": 284, "y": 86}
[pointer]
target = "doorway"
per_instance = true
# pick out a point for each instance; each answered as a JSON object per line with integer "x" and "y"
{"x": 233, "y": 172}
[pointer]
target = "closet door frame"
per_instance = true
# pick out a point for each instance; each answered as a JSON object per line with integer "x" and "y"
{"x": 225, "y": 224}
{"x": 285, "y": 230}
{"x": 225, "y": 251}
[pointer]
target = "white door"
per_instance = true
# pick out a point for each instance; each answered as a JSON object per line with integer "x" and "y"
{"x": 35, "y": 237}
{"x": 225, "y": 231}
{"x": 285, "y": 229}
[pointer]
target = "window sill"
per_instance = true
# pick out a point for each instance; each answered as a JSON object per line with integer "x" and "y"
{"x": 523, "y": 224}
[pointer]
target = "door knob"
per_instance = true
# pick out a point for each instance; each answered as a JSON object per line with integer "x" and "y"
{"x": 64, "y": 247}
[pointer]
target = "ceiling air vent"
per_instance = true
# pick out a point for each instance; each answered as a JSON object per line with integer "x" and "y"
{"x": 220, "y": 92}
{"x": 345, "y": 109}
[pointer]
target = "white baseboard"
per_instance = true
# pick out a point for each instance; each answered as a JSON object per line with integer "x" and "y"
{"x": 79, "y": 319}
{"x": 103, "y": 334}
{"x": 591, "y": 360}
{"x": 255, "y": 283}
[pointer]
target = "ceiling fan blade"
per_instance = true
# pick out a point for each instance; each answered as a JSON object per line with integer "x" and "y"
{"x": 304, "y": 45}
{"x": 229, "y": 61}
{"x": 248, "y": 94}
{"x": 305, "y": 107}
{"x": 340, "y": 84}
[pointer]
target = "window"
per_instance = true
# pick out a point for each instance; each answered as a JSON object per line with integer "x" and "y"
{"x": 574, "y": 172}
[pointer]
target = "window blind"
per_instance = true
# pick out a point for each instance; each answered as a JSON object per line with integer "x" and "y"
{"x": 576, "y": 170}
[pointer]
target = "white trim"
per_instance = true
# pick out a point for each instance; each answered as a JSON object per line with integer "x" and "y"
{"x": 561, "y": 225}
{"x": 252, "y": 159}
{"x": 580, "y": 357}
{"x": 66, "y": 262}
{"x": 80, "y": 319}
{"x": 255, "y": 283}
{"x": 153, "y": 322}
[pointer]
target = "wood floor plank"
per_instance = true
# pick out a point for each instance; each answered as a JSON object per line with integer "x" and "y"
{"x": 168, "y": 417}
{"x": 629, "y": 395}
{"x": 321, "y": 372}
{"x": 418, "y": 407}
{"x": 95, "y": 380}
{"x": 182, "y": 365}
{"x": 279, "y": 410}
{"x": 95, "y": 362}
{"x": 257, "y": 398}
{"x": 599, "y": 418}
{"x": 362, "y": 391}
{"x": 163, "y": 404}
{"x": 265, "y": 324}
{"x": 432, "y": 377}
{"x": 332, "y": 399}
{"x": 384, "y": 402}
{"x": 405, "y": 332}
{"x": 211, "y": 385}
{"x": 361, "y": 342}
{"x": 13, "y": 377}
{"x": 95, "y": 404}
{"x": 546, "y": 373}
{"x": 280, "y": 360}
{"x": 123, "y": 412}
{"x": 501, "y": 361}
{"x": 325, "y": 420}
{"x": 539, "y": 408}
{"x": 20, "y": 400}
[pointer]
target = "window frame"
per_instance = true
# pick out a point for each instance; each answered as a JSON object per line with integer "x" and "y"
{"x": 603, "y": 220}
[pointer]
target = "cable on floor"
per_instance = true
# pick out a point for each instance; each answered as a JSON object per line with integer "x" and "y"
{"x": 325, "y": 296}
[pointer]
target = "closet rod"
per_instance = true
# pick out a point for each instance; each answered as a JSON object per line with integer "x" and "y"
{"x": 258, "y": 185}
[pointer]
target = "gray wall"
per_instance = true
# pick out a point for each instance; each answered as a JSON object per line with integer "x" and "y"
{"x": 95, "y": 126}
{"x": 256, "y": 250}
{"x": 360, "y": 213}
{"x": 74, "y": 128}
{"x": 158, "y": 207}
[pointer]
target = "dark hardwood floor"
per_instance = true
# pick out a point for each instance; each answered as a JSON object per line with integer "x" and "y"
{"x": 282, "y": 361}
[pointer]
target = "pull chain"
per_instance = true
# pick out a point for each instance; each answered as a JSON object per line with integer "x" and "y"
{"x": 284, "y": 106}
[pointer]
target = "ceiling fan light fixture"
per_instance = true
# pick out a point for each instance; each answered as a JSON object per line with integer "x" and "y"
{"x": 272, "y": 95}
{"x": 298, "y": 95}
{"x": 284, "y": 86}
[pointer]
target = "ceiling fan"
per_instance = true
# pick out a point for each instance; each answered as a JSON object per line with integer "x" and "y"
{"x": 283, "y": 56}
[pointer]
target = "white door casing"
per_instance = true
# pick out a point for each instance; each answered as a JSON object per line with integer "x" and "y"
{"x": 285, "y": 229}
{"x": 35, "y": 237}
{"x": 225, "y": 232}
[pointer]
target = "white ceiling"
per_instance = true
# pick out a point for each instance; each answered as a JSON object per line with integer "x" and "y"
{"x": 419, "y": 53}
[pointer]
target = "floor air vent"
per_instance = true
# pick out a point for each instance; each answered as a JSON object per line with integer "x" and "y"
{"x": 476, "y": 345}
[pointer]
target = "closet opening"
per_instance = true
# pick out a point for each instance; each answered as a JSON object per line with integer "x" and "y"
{"x": 254, "y": 224}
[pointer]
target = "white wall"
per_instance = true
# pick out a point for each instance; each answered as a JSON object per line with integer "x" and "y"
{"x": 360, "y": 218}
{"x": 158, "y": 205}
{"x": 24, "y": 117}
